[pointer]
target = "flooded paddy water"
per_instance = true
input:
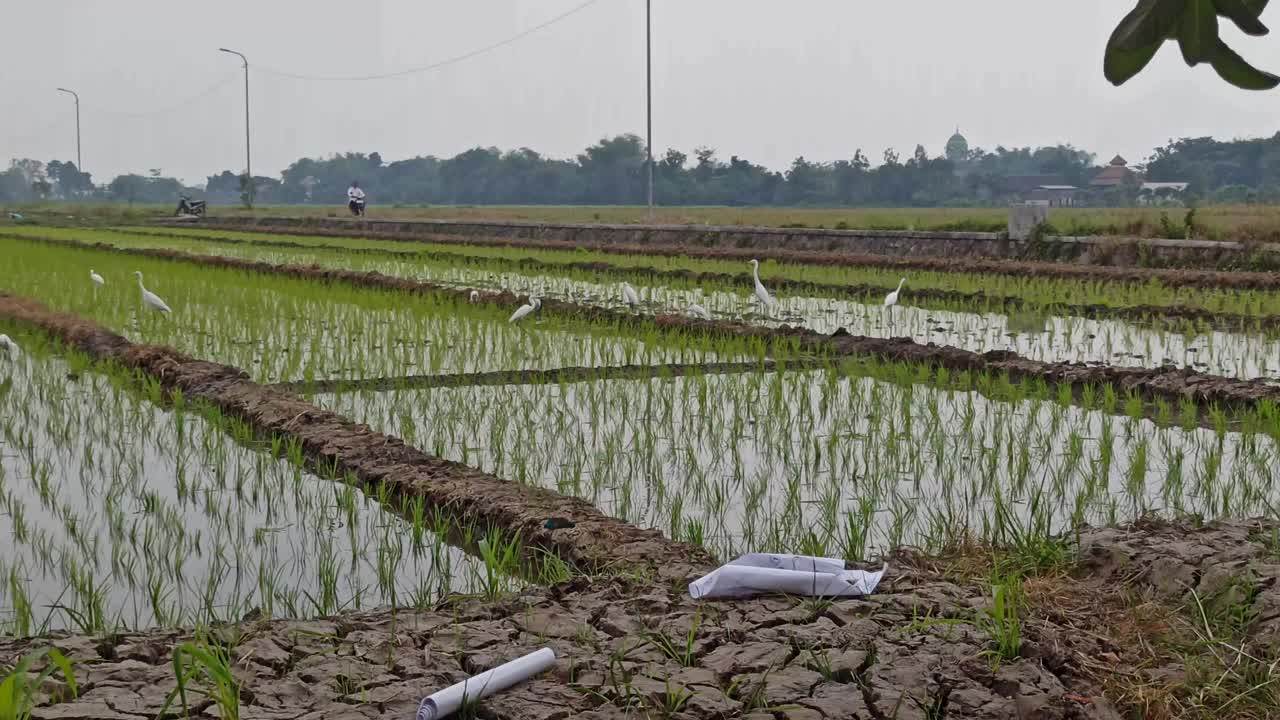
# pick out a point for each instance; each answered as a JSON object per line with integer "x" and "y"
{"x": 119, "y": 512}
{"x": 833, "y": 461}
{"x": 1038, "y": 335}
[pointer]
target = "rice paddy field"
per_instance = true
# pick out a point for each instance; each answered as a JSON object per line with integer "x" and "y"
{"x": 1243, "y": 348}
{"x": 128, "y": 507}
{"x": 121, "y": 510}
{"x": 847, "y": 461}
{"x": 128, "y": 504}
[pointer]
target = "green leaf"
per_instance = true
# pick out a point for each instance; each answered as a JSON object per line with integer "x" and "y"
{"x": 1138, "y": 36}
{"x": 1256, "y": 6}
{"x": 9, "y": 698}
{"x": 1245, "y": 14}
{"x": 1150, "y": 23}
{"x": 1198, "y": 31}
{"x": 1235, "y": 70}
{"x": 1119, "y": 65}
{"x": 62, "y": 663}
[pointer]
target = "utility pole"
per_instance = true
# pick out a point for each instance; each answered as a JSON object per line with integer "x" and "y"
{"x": 248, "y": 164}
{"x": 79, "y": 165}
{"x": 648, "y": 75}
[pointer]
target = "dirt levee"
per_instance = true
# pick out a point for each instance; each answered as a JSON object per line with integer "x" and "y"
{"x": 1172, "y": 277}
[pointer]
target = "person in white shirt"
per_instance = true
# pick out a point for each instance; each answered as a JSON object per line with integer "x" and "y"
{"x": 355, "y": 198}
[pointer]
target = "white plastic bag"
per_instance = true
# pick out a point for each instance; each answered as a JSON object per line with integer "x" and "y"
{"x": 760, "y": 573}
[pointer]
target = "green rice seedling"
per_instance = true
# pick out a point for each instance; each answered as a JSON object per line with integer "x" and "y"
{"x": 674, "y": 699}
{"x": 490, "y": 259}
{"x": 502, "y": 555}
{"x": 1002, "y": 622}
{"x": 680, "y": 652}
{"x": 1236, "y": 355}
{"x": 204, "y": 667}
{"x": 19, "y": 689}
{"x": 714, "y": 461}
{"x": 181, "y": 521}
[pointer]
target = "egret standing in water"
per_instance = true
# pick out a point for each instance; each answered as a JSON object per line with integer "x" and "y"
{"x": 96, "y": 279}
{"x": 698, "y": 311}
{"x": 892, "y": 299}
{"x": 149, "y": 298}
{"x": 533, "y": 304}
{"x": 9, "y": 347}
{"x": 629, "y": 295}
{"x": 766, "y": 300}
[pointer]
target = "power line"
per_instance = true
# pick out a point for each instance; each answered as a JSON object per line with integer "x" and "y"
{"x": 435, "y": 65}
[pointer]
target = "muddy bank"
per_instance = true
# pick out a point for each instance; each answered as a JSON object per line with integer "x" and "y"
{"x": 1085, "y": 250}
{"x": 920, "y": 262}
{"x": 1167, "y": 383}
{"x": 596, "y": 542}
{"x": 918, "y": 649}
{"x": 981, "y": 301}
{"x": 535, "y": 377}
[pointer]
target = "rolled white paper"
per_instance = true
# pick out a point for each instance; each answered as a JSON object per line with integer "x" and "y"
{"x": 761, "y": 573}
{"x": 451, "y": 699}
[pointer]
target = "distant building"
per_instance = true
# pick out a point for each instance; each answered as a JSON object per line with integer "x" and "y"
{"x": 957, "y": 148}
{"x": 1161, "y": 193}
{"x": 1026, "y": 184}
{"x": 1054, "y": 195}
{"x": 1170, "y": 186}
{"x": 963, "y": 162}
{"x": 1115, "y": 175}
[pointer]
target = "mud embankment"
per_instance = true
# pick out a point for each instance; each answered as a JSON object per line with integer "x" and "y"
{"x": 956, "y": 263}
{"x": 977, "y": 301}
{"x": 1167, "y": 383}
{"x": 535, "y": 377}
{"x": 596, "y": 542}
{"x": 1086, "y": 250}
{"x": 919, "y": 648}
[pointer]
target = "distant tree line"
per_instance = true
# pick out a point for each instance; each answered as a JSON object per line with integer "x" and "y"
{"x": 613, "y": 172}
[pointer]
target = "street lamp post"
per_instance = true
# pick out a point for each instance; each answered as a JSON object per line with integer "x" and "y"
{"x": 79, "y": 165}
{"x": 648, "y": 76}
{"x": 248, "y": 165}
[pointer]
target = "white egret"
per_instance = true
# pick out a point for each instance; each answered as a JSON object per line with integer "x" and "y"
{"x": 149, "y": 298}
{"x": 765, "y": 298}
{"x": 96, "y": 278}
{"x": 533, "y": 304}
{"x": 629, "y": 295}
{"x": 698, "y": 311}
{"x": 892, "y": 298}
{"x": 8, "y": 345}
{"x": 475, "y": 296}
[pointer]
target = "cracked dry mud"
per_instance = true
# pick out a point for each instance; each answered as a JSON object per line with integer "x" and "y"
{"x": 910, "y": 650}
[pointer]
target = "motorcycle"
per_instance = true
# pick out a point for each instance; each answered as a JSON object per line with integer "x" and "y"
{"x": 187, "y": 206}
{"x": 356, "y": 206}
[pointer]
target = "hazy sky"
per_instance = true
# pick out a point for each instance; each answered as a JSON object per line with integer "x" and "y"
{"x": 767, "y": 80}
